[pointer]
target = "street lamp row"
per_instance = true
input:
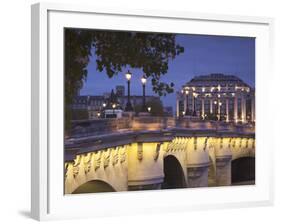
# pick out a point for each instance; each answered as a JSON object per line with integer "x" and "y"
{"x": 129, "y": 107}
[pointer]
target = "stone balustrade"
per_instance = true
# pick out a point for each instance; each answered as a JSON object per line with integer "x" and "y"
{"x": 104, "y": 126}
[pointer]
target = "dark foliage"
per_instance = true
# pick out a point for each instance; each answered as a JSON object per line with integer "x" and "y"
{"x": 114, "y": 51}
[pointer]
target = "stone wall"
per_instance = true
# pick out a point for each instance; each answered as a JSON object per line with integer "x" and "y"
{"x": 147, "y": 123}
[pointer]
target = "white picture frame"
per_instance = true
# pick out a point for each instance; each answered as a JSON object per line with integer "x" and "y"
{"x": 48, "y": 200}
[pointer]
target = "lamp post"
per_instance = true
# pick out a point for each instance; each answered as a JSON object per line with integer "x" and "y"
{"x": 194, "y": 106}
{"x": 103, "y": 109}
{"x": 113, "y": 106}
{"x": 215, "y": 108}
{"x": 219, "y": 111}
{"x": 186, "y": 99}
{"x": 143, "y": 81}
{"x": 128, "y": 104}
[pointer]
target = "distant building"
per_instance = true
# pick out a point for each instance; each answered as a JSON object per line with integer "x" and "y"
{"x": 225, "y": 97}
{"x": 92, "y": 104}
{"x": 168, "y": 111}
{"x": 120, "y": 91}
{"x": 112, "y": 107}
{"x": 95, "y": 104}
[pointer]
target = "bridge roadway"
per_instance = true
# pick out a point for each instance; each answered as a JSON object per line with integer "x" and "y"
{"x": 153, "y": 153}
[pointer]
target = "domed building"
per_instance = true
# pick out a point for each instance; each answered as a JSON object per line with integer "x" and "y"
{"x": 217, "y": 97}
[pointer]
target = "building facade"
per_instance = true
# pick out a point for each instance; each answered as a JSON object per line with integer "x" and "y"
{"x": 217, "y": 97}
{"x": 168, "y": 111}
{"x": 95, "y": 104}
{"x": 91, "y": 104}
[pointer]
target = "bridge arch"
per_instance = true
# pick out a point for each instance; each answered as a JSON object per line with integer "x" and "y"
{"x": 243, "y": 170}
{"x": 94, "y": 186}
{"x": 173, "y": 173}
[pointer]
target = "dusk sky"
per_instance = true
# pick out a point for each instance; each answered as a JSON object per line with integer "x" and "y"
{"x": 202, "y": 55}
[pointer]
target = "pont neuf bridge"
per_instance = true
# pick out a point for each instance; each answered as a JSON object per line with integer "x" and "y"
{"x": 142, "y": 153}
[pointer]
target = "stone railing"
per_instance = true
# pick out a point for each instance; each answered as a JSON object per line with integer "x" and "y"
{"x": 104, "y": 126}
{"x": 99, "y": 126}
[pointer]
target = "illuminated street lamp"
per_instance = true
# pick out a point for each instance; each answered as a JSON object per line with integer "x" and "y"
{"x": 194, "y": 103}
{"x": 187, "y": 109}
{"x": 143, "y": 81}
{"x": 104, "y": 105}
{"x": 215, "y": 107}
{"x": 219, "y": 111}
{"x": 149, "y": 109}
{"x": 128, "y": 107}
{"x": 114, "y": 106}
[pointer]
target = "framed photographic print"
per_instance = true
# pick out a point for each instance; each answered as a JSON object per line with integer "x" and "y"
{"x": 139, "y": 111}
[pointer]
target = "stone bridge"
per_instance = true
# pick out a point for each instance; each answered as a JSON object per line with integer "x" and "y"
{"x": 155, "y": 153}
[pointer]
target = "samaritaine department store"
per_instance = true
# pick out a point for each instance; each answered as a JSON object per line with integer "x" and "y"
{"x": 217, "y": 97}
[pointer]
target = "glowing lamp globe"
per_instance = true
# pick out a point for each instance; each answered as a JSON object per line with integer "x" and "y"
{"x": 143, "y": 80}
{"x": 128, "y": 75}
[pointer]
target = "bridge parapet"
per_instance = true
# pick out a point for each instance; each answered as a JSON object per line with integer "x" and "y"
{"x": 82, "y": 128}
{"x": 104, "y": 126}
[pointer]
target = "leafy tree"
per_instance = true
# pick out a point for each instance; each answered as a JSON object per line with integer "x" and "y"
{"x": 115, "y": 50}
{"x": 155, "y": 105}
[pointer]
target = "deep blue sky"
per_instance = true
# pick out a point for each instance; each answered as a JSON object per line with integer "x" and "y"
{"x": 203, "y": 55}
